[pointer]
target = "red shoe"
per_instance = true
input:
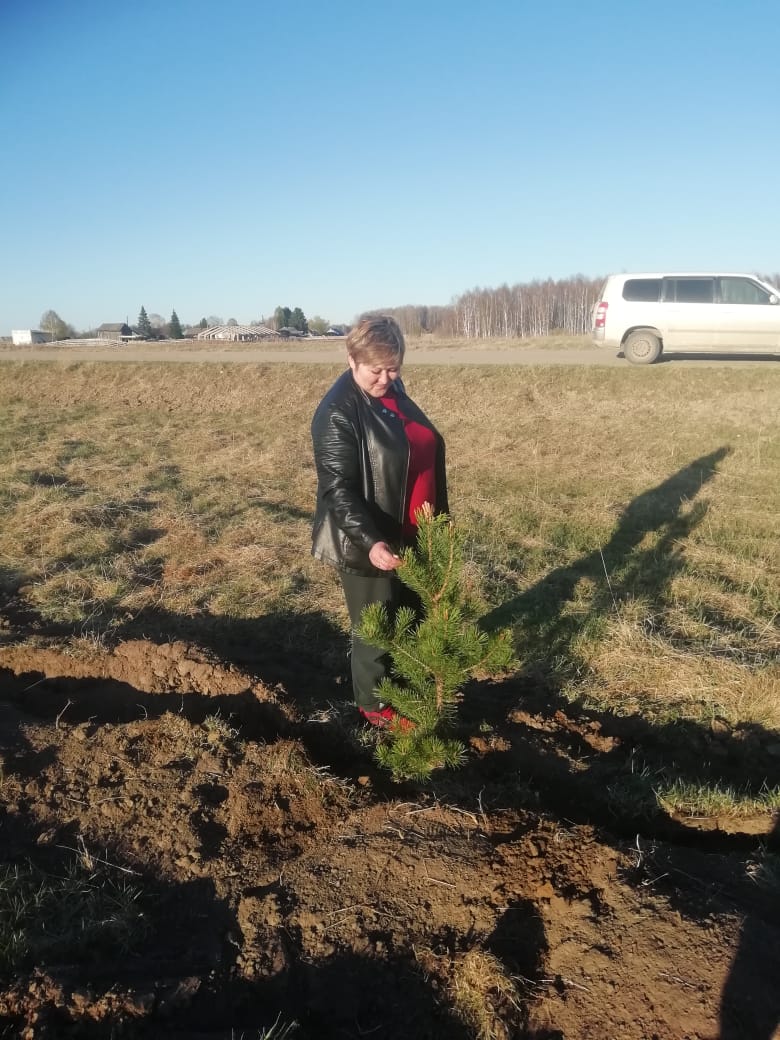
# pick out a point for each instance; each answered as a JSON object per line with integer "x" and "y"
{"x": 386, "y": 718}
{"x": 381, "y": 717}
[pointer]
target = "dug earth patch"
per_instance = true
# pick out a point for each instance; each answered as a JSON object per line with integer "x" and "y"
{"x": 254, "y": 869}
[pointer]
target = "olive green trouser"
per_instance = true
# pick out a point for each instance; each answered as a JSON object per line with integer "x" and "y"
{"x": 370, "y": 664}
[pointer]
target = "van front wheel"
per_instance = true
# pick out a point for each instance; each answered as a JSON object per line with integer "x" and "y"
{"x": 642, "y": 347}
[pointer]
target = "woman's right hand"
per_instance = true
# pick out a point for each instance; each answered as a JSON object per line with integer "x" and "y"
{"x": 382, "y": 557}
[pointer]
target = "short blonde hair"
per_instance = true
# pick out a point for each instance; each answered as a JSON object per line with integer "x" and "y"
{"x": 376, "y": 337}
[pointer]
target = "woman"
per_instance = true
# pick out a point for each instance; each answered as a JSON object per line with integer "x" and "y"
{"x": 378, "y": 459}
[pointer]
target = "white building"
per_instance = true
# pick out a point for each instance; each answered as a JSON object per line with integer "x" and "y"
{"x": 26, "y": 337}
{"x": 238, "y": 333}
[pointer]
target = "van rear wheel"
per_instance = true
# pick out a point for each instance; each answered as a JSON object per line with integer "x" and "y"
{"x": 642, "y": 347}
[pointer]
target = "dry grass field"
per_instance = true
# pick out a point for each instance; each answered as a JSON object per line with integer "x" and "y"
{"x": 174, "y": 706}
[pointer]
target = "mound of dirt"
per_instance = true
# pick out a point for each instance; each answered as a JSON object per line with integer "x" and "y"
{"x": 264, "y": 870}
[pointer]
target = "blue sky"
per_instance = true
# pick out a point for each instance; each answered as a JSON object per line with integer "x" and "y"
{"x": 223, "y": 158}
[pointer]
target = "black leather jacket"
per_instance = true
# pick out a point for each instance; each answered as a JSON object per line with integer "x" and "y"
{"x": 362, "y": 459}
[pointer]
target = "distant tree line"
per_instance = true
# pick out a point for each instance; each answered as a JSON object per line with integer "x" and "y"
{"x": 526, "y": 309}
{"x": 538, "y": 308}
{"x": 535, "y": 309}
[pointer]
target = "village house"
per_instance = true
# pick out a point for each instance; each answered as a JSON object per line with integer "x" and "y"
{"x": 117, "y": 331}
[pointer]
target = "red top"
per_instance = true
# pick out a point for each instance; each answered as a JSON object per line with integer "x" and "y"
{"x": 421, "y": 478}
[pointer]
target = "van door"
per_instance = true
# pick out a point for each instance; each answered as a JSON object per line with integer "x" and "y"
{"x": 690, "y": 314}
{"x": 748, "y": 320}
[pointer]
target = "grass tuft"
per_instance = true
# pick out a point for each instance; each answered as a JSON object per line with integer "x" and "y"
{"x": 82, "y": 914}
{"x": 480, "y": 988}
{"x": 692, "y": 799}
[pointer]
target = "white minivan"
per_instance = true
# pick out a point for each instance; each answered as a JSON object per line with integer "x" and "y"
{"x": 647, "y": 314}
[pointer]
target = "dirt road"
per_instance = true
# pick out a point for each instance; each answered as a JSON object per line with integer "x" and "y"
{"x": 333, "y": 352}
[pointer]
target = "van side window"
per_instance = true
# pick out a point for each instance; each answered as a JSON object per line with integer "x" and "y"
{"x": 689, "y": 290}
{"x": 647, "y": 290}
{"x": 741, "y": 290}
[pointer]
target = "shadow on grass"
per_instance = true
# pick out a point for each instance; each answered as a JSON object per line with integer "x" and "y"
{"x": 544, "y": 630}
{"x": 279, "y": 511}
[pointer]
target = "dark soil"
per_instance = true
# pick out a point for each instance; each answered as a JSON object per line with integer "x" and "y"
{"x": 537, "y": 892}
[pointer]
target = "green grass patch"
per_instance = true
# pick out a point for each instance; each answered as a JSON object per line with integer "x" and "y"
{"x": 78, "y": 915}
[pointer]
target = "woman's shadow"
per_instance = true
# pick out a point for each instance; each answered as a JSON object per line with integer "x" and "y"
{"x": 539, "y": 611}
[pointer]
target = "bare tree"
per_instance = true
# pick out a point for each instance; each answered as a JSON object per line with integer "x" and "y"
{"x": 537, "y": 308}
{"x": 54, "y": 326}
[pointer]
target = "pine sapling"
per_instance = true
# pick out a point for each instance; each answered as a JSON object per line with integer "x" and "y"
{"x": 433, "y": 654}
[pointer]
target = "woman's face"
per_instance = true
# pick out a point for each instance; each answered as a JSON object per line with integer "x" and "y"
{"x": 375, "y": 377}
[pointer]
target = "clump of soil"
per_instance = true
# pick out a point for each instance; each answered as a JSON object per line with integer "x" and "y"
{"x": 277, "y": 876}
